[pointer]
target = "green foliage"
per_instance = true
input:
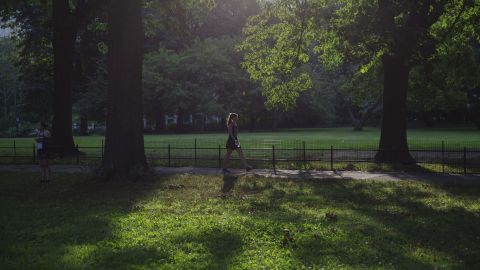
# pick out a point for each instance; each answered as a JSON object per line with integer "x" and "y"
{"x": 204, "y": 78}
{"x": 288, "y": 34}
{"x": 175, "y": 22}
{"x": 9, "y": 80}
{"x": 276, "y": 52}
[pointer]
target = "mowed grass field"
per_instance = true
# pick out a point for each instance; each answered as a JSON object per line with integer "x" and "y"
{"x": 313, "y": 138}
{"x": 200, "y": 222}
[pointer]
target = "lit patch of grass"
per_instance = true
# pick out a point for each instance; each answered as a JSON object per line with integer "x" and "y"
{"x": 211, "y": 222}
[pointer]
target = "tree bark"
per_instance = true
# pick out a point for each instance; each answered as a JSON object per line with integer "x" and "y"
{"x": 64, "y": 35}
{"x": 393, "y": 146}
{"x": 124, "y": 143}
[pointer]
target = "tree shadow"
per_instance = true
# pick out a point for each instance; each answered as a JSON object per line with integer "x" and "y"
{"x": 229, "y": 183}
{"x": 130, "y": 257}
{"x": 222, "y": 245}
{"x": 41, "y": 222}
{"x": 370, "y": 224}
{"x": 403, "y": 214}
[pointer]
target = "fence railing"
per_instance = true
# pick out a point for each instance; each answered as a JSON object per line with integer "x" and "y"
{"x": 464, "y": 160}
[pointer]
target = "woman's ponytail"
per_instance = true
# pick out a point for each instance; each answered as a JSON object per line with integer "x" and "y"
{"x": 230, "y": 118}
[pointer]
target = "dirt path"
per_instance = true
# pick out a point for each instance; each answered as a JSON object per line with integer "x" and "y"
{"x": 397, "y": 176}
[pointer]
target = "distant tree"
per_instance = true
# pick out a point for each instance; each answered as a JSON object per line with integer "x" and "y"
{"x": 204, "y": 80}
{"x": 31, "y": 33}
{"x": 90, "y": 80}
{"x": 361, "y": 91}
{"x": 162, "y": 88}
{"x": 174, "y": 24}
{"x": 67, "y": 19}
{"x": 443, "y": 85}
{"x": 227, "y": 18}
{"x": 64, "y": 19}
{"x": 124, "y": 144}
{"x": 9, "y": 84}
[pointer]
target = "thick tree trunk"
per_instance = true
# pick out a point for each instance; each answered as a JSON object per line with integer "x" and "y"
{"x": 83, "y": 125}
{"x": 124, "y": 144}
{"x": 393, "y": 146}
{"x": 64, "y": 35}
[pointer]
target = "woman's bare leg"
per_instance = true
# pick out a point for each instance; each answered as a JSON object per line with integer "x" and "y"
{"x": 47, "y": 170}
{"x": 240, "y": 154}
{"x": 226, "y": 159}
{"x": 42, "y": 168}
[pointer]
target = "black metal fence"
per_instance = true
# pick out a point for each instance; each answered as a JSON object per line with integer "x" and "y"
{"x": 297, "y": 155}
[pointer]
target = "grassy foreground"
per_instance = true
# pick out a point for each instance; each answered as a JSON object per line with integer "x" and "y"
{"x": 199, "y": 222}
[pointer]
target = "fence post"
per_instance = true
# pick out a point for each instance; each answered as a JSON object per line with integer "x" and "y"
{"x": 331, "y": 157}
{"x": 443, "y": 156}
{"x": 33, "y": 153}
{"x": 219, "y": 157}
{"x": 304, "y": 156}
{"x": 168, "y": 155}
{"x": 78, "y": 154}
{"x": 14, "y": 152}
{"x": 195, "y": 149}
{"x": 464, "y": 160}
{"x": 273, "y": 159}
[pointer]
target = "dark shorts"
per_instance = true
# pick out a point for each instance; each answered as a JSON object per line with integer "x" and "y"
{"x": 231, "y": 144}
{"x": 42, "y": 155}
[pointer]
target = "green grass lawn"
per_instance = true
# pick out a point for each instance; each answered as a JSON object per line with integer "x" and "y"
{"x": 338, "y": 137}
{"x": 288, "y": 144}
{"x": 186, "y": 222}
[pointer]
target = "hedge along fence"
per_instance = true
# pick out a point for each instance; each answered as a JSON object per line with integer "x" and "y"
{"x": 271, "y": 154}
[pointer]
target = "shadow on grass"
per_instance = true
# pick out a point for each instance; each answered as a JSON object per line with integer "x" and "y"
{"x": 368, "y": 224}
{"x": 229, "y": 183}
{"x": 221, "y": 245}
{"x": 354, "y": 224}
{"x": 39, "y": 222}
{"x": 418, "y": 218}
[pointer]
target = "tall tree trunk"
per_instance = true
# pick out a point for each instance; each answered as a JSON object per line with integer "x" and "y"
{"x": 393, "y": 139}
{"x": 124, "y": 144}
{"x": 64, "y": 35}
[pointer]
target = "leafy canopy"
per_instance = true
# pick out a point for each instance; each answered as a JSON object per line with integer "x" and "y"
{"x": 289, "y": 35}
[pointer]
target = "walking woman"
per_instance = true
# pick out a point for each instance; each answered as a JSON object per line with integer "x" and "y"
{"x": 42, "y": 150}
{"x": 233, "y": 143}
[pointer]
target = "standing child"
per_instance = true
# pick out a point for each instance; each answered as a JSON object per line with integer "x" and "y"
{"x": 43, "y": 136}
{"x": 232, "y": 142}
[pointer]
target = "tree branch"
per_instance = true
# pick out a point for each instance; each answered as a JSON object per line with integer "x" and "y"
{"x": 455, "y": 22}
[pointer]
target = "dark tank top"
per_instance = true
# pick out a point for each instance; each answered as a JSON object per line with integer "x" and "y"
{"x": 234, "y": 131}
